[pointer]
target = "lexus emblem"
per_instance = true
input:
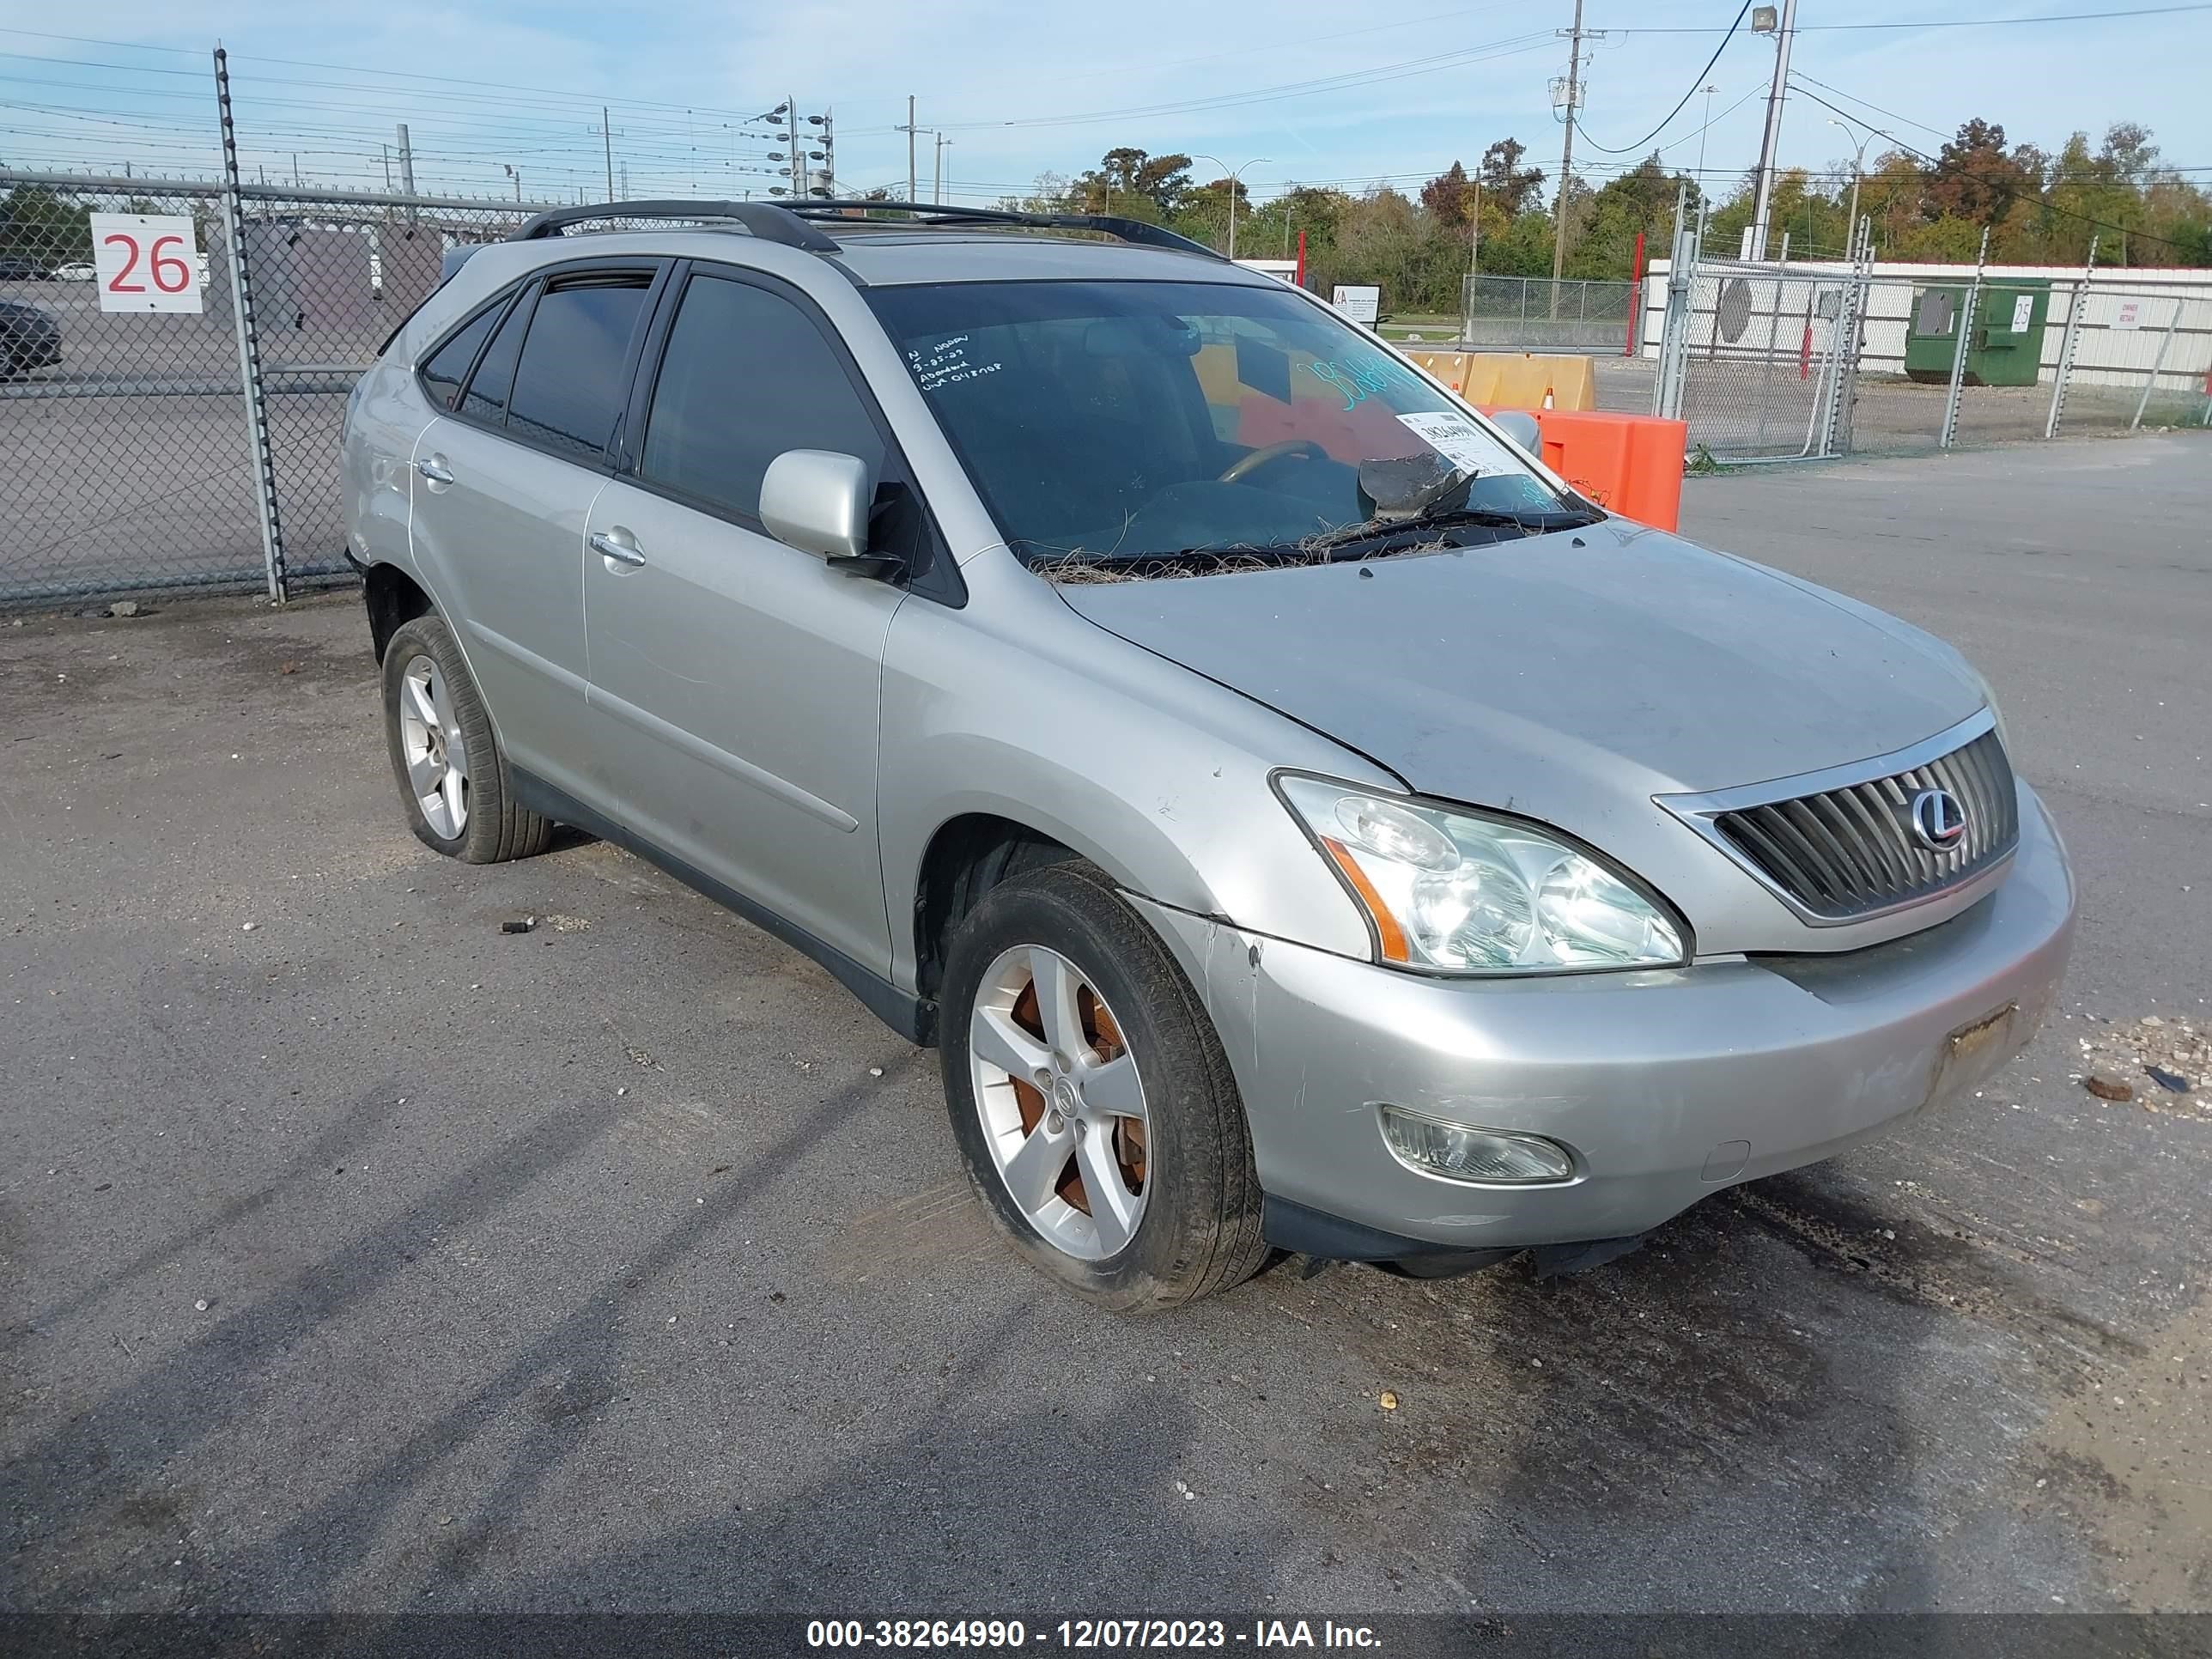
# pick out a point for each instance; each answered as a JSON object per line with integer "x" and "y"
{"x": 1938, "y": 819}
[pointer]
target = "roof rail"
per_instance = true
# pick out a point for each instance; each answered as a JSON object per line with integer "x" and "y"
{"x": 766, "y": 220}
{"x": 1106, "y": 224}
{"x": 777, "y": 221}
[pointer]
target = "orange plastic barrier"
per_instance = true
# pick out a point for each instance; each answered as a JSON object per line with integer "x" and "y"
{"x": 1631, "y": 465}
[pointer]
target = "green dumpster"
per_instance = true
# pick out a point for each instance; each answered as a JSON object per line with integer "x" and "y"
{"x": 2006, "y": 348}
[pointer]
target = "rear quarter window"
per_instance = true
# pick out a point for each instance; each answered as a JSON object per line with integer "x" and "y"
{"x": 448, "y": 366}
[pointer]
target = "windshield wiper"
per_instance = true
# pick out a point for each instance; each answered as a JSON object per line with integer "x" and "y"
{"x": 1495, "y": 518}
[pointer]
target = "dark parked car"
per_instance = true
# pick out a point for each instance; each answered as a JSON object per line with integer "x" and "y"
{"x": 29, "y": 338}
{"x": 24, "y": 271}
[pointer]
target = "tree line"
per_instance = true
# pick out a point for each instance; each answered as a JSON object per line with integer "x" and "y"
{"x": 1499, "y": 218}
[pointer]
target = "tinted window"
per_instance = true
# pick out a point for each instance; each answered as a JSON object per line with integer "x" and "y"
{"x": 746, "y": 376}
{"x": 486, "y": 396}
{"x": 569, "y": 386}
{"x": 449, "y": 363}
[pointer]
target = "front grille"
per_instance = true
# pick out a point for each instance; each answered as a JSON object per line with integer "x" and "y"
{"x": 1848, "y": 852}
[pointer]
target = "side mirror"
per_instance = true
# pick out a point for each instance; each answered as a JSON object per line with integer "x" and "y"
{"x": 1521, "y": 426}
{"x": 817, "y": 500}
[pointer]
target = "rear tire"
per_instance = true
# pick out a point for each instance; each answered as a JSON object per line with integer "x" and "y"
{"x": 444, "y": 758}
{"x": 1177, "y": 1121}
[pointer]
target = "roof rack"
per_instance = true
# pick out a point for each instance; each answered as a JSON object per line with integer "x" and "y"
{"x": 766, "y": 220}
{"x": 1106, "y": 224}
{"x": 776, "y": 222}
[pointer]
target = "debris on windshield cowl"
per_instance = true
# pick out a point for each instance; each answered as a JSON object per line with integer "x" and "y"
{"x": 1078, "y": 568}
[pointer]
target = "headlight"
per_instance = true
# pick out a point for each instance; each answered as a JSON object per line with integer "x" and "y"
{"x": 1458, "y": 893}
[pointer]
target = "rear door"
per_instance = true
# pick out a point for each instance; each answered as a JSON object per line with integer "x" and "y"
{"x": 504, "y": 481}
{"x": 738, "y": 677}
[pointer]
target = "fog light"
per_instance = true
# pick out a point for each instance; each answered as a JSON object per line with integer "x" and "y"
{"x": 1458, "y": 1152}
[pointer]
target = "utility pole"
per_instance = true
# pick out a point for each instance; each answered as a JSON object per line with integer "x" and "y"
{"x": 406, "y": 162}
{"x": 909, "y": 129}
{"x": 1474, "y": 233}
{"x": 607, "y": 139}
{"x": 1574, "y": 92}
{"x": 387, "y": 167}
{"x": 937, "y": 187}
{"x": 1763, "y": 203}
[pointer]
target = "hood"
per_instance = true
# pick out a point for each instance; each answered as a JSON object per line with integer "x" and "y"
{"x": 1566, "y": 677}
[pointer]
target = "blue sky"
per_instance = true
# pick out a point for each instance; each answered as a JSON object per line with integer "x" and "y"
{"x": 1021, "y": 88}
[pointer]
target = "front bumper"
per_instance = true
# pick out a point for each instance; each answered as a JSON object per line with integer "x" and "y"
{"x": 1667, "y": 1084}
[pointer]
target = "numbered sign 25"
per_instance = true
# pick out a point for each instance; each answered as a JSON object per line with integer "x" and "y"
{"x": 146, "y": 264}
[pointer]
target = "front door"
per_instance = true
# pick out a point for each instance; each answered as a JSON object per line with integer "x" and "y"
{"x": 737, "y": 678}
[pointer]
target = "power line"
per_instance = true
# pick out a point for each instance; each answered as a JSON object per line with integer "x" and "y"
{"x": 1954, "y": 22}
{"x": 1875, "y": 107}
{"x": 1698, "y": 81}
{"x": 1380, "y": 72}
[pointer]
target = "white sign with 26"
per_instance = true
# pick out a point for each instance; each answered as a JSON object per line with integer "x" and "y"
{"x": 145, "y": 263}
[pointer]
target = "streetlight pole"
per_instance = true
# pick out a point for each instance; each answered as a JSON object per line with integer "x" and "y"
{"x": 1236, "y": 183}
{"x": 1858, "y": 159}
{"x": 1763, "y": 200}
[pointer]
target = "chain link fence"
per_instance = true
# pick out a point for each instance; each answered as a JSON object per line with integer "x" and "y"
{"x": 126, "y": 453}
{"x": 332, "y": 275}
{"x": 1766, "y": 361}
{"x": 157, "y": 433}
{"x": 144, "y": 423}
{"x": 1758, "y": 360}
{"x": 1536, "y": 313}
{"x": 2139, "y": 357}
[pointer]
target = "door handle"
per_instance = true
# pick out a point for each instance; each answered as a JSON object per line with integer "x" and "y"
{"x": 432, "y": 472}
{"x": 608, "y": 548}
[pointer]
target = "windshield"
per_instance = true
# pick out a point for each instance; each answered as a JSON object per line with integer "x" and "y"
{"x": 1136, "y": 420}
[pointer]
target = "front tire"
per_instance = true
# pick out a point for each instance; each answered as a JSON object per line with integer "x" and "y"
{"x": 1090, "y": 1097}
{"x": 445, "y": 759}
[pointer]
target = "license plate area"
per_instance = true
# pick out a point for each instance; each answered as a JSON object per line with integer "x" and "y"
{"x": 1973, "y": 1052}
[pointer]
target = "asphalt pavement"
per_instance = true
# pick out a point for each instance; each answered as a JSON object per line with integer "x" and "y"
{"x": 358, "y": 1256}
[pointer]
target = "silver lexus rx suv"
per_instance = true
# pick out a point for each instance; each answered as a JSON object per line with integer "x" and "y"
{"x": 1298, "y": 819}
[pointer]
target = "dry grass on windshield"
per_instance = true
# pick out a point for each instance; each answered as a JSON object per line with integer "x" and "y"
{"x": 1078, "y": 568}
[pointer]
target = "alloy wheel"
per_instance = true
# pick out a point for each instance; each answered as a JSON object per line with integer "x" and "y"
{"x": 436, "y": 752}
{"x": 1062, "y": 1105}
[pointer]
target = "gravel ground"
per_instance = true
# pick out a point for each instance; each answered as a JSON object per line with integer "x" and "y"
{"x": 357, "y": 1257}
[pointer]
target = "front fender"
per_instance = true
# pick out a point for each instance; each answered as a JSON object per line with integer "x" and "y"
{"x": 1016, "y": 708}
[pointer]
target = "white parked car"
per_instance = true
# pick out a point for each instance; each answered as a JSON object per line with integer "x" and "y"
{"x": 76, "y": 272}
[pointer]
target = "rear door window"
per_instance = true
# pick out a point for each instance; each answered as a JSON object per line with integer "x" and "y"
{"x": 746, "y": 375}
{"x": 485, "y": 399}
{"x": 448, "y": 366}
{"x": 571, "y": 381}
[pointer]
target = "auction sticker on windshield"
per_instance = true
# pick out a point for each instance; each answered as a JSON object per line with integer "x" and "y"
{"x": 1459, "y": 441}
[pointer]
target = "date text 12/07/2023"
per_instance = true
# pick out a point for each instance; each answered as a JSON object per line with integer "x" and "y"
{"x": 1086, "y": 1635}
